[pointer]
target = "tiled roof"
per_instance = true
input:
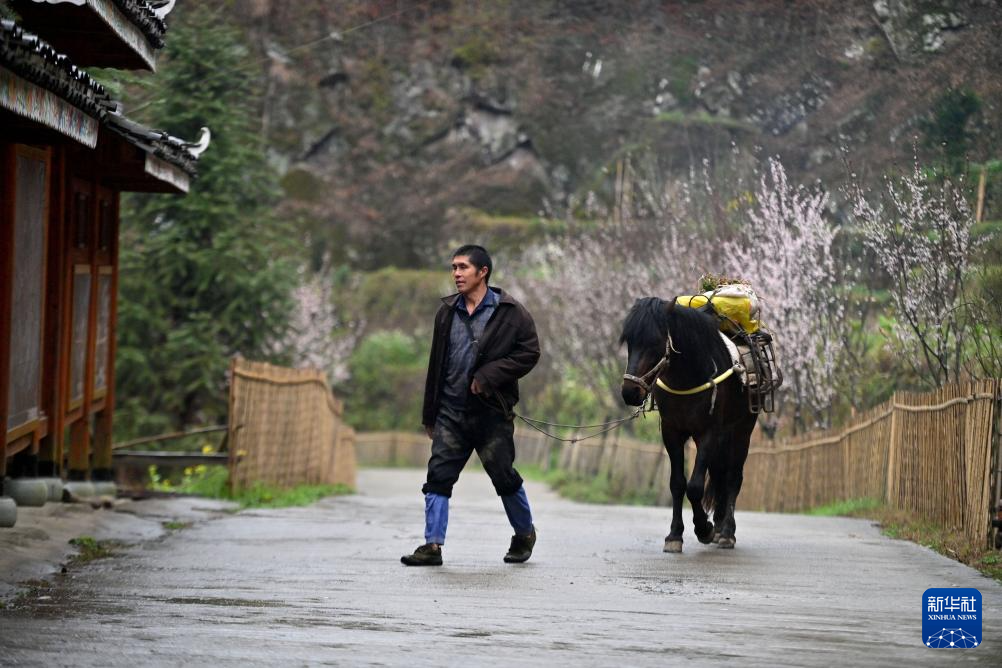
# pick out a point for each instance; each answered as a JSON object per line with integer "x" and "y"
{"x": 141, "y": 13}
{"x": 32, "y": 59}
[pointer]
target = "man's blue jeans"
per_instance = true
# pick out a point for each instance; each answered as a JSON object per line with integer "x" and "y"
{"x": 436, "y": 515}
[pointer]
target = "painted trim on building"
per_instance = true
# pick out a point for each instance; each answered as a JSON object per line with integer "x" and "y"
{"x": 26, "y": 99}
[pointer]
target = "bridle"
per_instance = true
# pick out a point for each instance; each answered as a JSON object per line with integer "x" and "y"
{"x": 648, "y": 379}
{"x": 652, "y": 377}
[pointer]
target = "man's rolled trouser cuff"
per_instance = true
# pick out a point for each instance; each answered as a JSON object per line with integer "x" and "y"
{"x": 436, "y": 518}
{"x": 435, "y": 488}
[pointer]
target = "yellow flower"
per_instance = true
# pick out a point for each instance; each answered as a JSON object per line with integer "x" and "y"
{"x": 206, "y": 449}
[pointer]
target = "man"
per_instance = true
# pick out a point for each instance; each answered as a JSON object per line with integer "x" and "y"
{"x": 483, "y": 342}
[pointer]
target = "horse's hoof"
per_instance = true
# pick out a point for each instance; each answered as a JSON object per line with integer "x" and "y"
{"x": 706, "y": 537}
{"x": 673, "y": 546}
{"x": 716, "y": 537}
{"x": 726, "y": 543}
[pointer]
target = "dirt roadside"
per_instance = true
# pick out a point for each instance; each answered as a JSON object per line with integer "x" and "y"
{"x": 39, "y": 547}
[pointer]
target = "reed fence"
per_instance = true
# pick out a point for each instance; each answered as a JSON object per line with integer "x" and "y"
{"x": 286, "y": 428}
{"x": 935, "y": 454}
{"x": 392, "y": 448}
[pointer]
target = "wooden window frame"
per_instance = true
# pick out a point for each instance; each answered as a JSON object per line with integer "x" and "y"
{"x": 98, "y": 394}
{"x": 74, "y": 406}
{"x": 36, "y": 428}
{"x": 82, "y": 190}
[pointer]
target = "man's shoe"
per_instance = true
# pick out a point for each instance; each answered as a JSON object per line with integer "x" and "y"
{"x": 426, "y": 555}
{"x": 521, "y": 548}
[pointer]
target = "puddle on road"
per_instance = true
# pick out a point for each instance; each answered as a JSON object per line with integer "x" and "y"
{"x": 678, "y": 587}
{"x": 53, "y": 600}
{"x": 224, "y": 602}
{"x": 472, "y": 634}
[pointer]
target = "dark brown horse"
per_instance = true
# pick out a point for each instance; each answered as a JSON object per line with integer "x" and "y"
{"x": 674, "y": 351}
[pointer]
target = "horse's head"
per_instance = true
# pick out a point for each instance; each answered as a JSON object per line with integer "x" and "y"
{"x": 646, "y": 335}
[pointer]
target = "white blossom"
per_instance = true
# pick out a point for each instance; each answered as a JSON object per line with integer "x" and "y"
{"x": 786, "y": 252}
{"x": 919, "y": 232}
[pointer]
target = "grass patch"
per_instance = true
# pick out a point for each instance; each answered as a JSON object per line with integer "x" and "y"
{"x": 266, "y": 496}
{"x": 599, "y": 489}
{"x": 904, "y": 525}
{"x": 403, "y": 462}
{"x": 90, "y": 549}
{"x": 214, "y": 482}
{"x": 177, "y": 525}
{"x": 845, "y": 508}
{"x": 579, "y": 488}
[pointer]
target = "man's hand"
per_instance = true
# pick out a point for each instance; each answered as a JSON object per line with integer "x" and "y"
{"x": 430, "y": 430}
{"x": 475, "y": 387}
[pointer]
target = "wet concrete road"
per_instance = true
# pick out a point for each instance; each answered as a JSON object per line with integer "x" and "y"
{"x": 323, "y": 586}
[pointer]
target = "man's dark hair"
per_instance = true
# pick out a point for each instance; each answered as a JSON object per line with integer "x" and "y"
{"x": 479, "y": 258}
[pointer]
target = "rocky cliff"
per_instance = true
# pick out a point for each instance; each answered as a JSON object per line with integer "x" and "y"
{"x": 396, "y": 122}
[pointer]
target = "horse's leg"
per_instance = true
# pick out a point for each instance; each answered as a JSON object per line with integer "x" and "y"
{"x": 735, "y": 477}
{"x": 727, "y": 538}
{"x": 694, "y": 490}
{"x": 719, "y": 501}
{"x": 720, "y": 485}
{"x": 675, "y": 445}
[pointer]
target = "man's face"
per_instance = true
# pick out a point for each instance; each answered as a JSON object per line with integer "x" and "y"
{"x": 466, "y": 276}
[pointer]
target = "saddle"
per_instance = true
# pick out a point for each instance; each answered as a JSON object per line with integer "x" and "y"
{"x": 752, "y": 344}
{"x": 763, "y": 376}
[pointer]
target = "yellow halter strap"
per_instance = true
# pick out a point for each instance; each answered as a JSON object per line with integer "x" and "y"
{"x": 702, "y": 388}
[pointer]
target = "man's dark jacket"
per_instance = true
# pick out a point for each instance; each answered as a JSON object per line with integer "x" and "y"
{"x": 508, "y": 349}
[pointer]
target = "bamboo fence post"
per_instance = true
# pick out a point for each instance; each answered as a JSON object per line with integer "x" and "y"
{"x": 231, "y": 428}
{"x": 575, "y": 446}
{"x": 891, "y": 484}
{"x": 982, "y": 186}
{"x": 995, "y": 449}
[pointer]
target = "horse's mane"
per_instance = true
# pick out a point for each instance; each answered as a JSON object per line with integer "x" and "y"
{"x": 646, "y": 324}
{"x": 694, "y": 332}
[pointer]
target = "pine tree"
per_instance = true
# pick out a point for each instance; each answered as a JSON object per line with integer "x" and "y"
{"x": 208, "y": 275}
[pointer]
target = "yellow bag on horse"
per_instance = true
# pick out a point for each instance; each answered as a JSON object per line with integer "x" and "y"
{"x": 736, "y": 304}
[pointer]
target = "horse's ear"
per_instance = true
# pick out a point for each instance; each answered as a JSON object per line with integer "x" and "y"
{"x": 670, "y": 304}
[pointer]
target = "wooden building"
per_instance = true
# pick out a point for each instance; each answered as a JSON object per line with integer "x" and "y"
{"x": 66, "y": 154}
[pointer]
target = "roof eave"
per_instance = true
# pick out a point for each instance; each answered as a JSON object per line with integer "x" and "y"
{"x": 122, "y": 34}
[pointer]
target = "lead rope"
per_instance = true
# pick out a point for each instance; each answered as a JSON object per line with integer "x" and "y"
{"x": 642, "y": 410}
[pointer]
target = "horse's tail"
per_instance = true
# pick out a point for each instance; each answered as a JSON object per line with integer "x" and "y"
{"x": 709, "y": 495}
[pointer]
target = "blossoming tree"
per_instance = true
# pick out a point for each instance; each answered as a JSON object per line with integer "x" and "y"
{"x": 919, "y": 232}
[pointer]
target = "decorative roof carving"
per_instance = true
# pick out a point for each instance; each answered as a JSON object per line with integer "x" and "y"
{"x": 176, "y": 151}
{"x": 163, "y": 8}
